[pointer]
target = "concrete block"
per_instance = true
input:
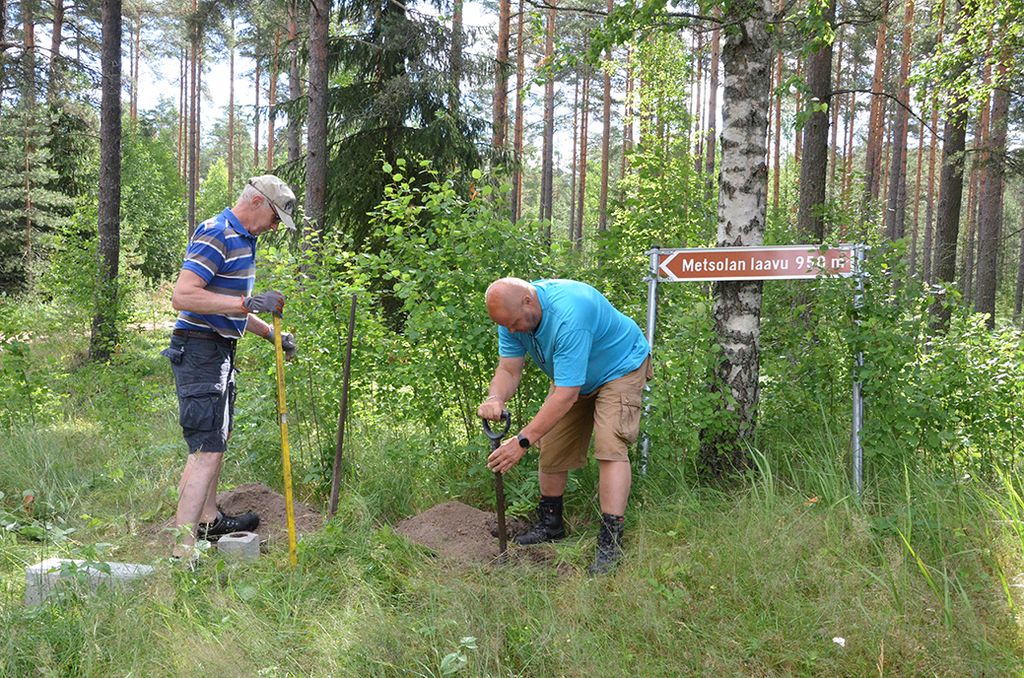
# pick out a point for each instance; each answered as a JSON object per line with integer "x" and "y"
{"x": 239, "y": 546}
{"x": 43, "y": 578}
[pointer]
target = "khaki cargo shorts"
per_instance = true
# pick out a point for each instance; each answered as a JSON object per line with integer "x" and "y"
{"x": 611, "y": 414}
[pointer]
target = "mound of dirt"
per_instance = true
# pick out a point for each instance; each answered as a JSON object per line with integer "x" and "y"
{"x": 268, "y": 504}
{"x": 462, "y": 533}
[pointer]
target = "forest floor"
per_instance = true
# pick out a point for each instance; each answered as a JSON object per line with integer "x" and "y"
{"x": 777, "y": 576}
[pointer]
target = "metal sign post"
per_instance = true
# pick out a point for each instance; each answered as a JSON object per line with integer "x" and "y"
{"x": 787, "y": 262}
{"x": 858, "y": 393}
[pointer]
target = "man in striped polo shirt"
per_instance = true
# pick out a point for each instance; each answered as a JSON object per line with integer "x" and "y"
{"x": 213, "y": 297}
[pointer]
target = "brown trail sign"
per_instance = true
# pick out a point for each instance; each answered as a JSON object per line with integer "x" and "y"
{"x": 790, "y": 262}
{"x": 786, "y": 262}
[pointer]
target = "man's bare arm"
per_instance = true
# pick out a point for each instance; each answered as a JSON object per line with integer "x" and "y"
{"x": 190, "y": 294}
{"x": 555, "y": 406}
{"x": 503, "y": 386}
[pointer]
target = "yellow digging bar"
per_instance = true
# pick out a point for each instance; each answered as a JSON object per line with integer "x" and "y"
{"x": 286, "y": 460}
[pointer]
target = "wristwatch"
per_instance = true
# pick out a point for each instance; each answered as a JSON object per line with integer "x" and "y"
{"x": 524, "y": 442}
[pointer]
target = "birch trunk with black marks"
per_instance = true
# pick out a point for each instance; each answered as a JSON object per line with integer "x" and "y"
{"x": 743, "y": 185}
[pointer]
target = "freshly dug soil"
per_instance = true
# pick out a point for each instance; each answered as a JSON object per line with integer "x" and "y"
{"x": 270, "y": 507}
{"x": 268, "y": 504}
{"x": 462, "y": 533}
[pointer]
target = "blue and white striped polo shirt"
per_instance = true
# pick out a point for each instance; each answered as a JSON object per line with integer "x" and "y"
{"x": 222, "y": 253}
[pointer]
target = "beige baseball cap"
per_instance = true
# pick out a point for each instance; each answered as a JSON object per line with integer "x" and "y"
{"x": 281, "y": 197}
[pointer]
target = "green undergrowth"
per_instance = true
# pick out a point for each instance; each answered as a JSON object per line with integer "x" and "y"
{"x": 783, "y": 573}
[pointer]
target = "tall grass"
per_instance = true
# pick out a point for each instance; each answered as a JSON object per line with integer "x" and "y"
{"x": 917, "y": 578}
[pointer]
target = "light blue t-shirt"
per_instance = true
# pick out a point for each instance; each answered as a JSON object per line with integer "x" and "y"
{"x": 582, "y": 340}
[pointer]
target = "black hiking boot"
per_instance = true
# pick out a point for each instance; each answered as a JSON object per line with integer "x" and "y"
{"x": 225, "y": 524}
{"x": 609, "y": 544}
{"x": 549, "y": 525}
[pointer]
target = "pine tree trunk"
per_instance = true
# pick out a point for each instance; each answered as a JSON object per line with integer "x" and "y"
{"x": 316, "y": 127}
{"x": 499, "y": 102}
{"x": 56, "y": 36}
{"x": 929, "y": 213}
{"x": 810, "y": 220}
{"x": 547, "y": 163}
{"x": 777, "y": 151}
{"x": 575, "y": 158}
{"x": 967, "y": 274}
{"x": 886, "y": 154}
{"x": 294, "y": 85}
{"x": 798, "y": 132}
{"x": 606, "y": 138}
{"x": 917, "y": 203}
{"x": 627, "y": 128}
{"x": 256, "y": 120}
{"x": 136, "y": 66}
{"x": 582, "y": 195}
{"x": 28, "y": 130}
{"x": 182, "y": 111}
{"x": 198, "y": 119}
{"x": 231, "y": 106}
{"x": 3, "y": 53}
{"x": 456, "y": 56}
{"x": 104, "y": 321}
{"x": 272, "y": 99}
{"x": 951, "y": 186}
{"x": 741, "y": 222}
{"x": 833, "y": 108}
{"x": 1018, "y": 296}
{"x": 895, "y": 214}
{"x": 876, "y": 121}
{"x": 851, "y": 113}
{"x": 990, "y": 217}
{"x": 28, "y": 38}
{"x": 978, "y": 169}
{"x": 517, "y": 143}
{"x": 698, "y": 98}
{"x": 709, "y": 161}
{"x": 193, "y": 158}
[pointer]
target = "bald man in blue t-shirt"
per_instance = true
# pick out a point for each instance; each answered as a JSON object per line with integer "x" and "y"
{"x": 598, "y": 361}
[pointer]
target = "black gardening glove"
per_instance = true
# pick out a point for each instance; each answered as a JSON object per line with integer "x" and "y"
{"x": 265, "y": 302}
{"x": 287, "y": 343}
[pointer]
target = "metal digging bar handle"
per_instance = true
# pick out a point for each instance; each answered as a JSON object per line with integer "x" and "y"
{"x": 499, "y": 481}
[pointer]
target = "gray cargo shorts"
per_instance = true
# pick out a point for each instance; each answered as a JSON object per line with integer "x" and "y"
{"x": 204, "y": 377}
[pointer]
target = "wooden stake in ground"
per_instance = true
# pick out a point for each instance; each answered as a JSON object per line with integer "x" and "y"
{"x": 339, "y": 442}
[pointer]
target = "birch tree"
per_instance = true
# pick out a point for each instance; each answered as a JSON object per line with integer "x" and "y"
{"x": 743, "y": 185}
